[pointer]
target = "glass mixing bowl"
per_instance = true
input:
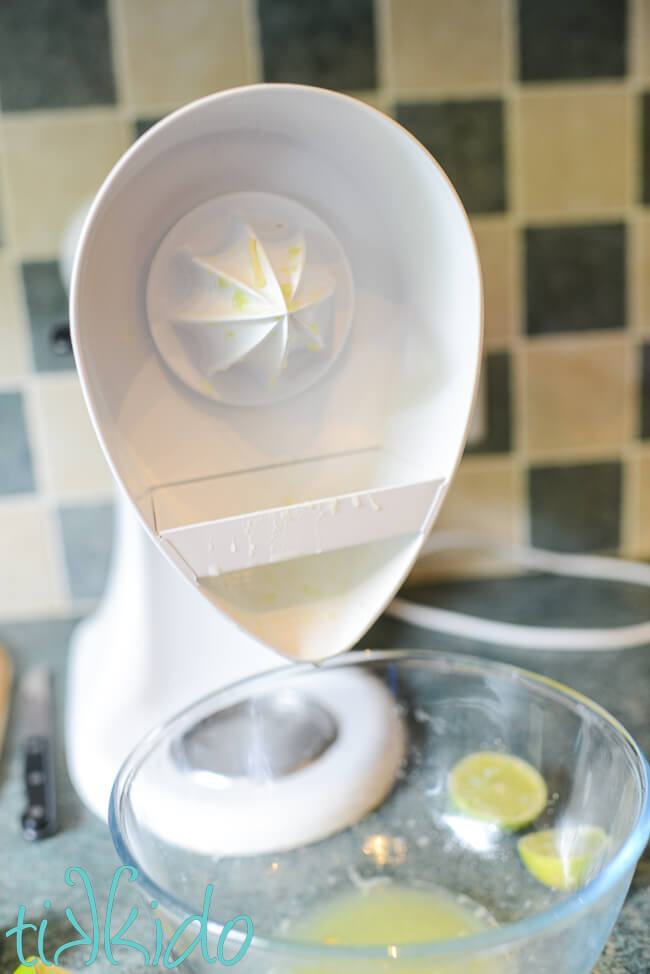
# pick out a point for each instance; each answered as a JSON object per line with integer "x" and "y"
{"x": 415, "y": 843}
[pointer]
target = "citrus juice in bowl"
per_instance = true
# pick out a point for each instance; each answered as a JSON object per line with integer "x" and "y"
{"x": 390, "y": 915}
{"x": 506, "y": 843}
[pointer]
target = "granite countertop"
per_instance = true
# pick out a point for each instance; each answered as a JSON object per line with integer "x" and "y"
{"x": 33, "y": 873}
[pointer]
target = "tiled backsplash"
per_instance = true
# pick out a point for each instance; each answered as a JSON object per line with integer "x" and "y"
{"x": 540, "y": 112}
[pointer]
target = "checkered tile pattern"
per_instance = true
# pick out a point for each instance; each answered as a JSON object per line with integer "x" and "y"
{"x": 540, "y": 113}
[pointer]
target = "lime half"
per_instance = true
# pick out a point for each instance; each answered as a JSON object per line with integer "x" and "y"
{"x": 498, "y": 788}
{"x": 34, "y": 965}
{"x": 564, "y": 858}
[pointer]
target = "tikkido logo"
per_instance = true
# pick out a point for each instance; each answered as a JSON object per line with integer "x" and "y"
{"x": 191, "y": 934}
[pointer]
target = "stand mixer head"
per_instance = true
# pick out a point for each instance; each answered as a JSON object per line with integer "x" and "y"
{"x": 276, "y": 317}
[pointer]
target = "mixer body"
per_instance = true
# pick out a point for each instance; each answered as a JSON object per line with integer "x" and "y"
{"x": 153, "y": 647}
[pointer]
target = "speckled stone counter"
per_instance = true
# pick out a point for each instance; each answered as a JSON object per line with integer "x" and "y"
{"x": 31, "y": 874}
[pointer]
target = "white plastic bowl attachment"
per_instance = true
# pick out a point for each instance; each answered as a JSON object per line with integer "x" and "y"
{"x": 293, "y": 485}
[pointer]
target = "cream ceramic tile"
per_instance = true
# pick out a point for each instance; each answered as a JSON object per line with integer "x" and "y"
{"x": 486, "y": 497}
{"x": 576, "y": 395}
{"x": 642, "y": 40}
{"x": 640, "y": 274}
{"x": 28, "y": 579}
{"x": 496, "y": 244}
{"x": 55, "y": 164}
{"x": 14, "y": 340}
{"x": 73, "y": 463}
{"x": 376, "y": 99}
{"x": 175, "y": 52}
{"x": 574, "y": 150}
{"x": 437, "y": 45}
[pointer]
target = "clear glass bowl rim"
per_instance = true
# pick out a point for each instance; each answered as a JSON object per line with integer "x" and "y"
{"x": 507, "y": 935}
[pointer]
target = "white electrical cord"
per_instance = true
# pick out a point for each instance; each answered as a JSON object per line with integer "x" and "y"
{"x": 522, "y": 636}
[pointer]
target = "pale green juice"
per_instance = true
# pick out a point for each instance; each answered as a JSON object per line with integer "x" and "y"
{"x": 394, "y": 917}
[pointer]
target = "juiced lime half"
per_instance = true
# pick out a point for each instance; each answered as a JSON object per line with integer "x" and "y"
{"x": 35, "y": 966}
{"x": 564, "y": 858}
{"x": 498, "y": 788}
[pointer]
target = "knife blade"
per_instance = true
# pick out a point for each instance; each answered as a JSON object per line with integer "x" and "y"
{"x": 39, "y": 818}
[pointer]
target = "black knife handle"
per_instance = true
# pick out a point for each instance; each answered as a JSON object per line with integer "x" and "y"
{"x": 39, "y": 818}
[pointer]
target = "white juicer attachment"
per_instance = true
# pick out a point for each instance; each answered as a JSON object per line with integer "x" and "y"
{"x": 276, "y": 317}
{"x": 276, "y": 313}
{"x": 249, "y": 298}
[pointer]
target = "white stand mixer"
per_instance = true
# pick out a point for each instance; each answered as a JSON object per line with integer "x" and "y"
{"x": 276, "y": 316}
{"x": 153, "y": 646}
